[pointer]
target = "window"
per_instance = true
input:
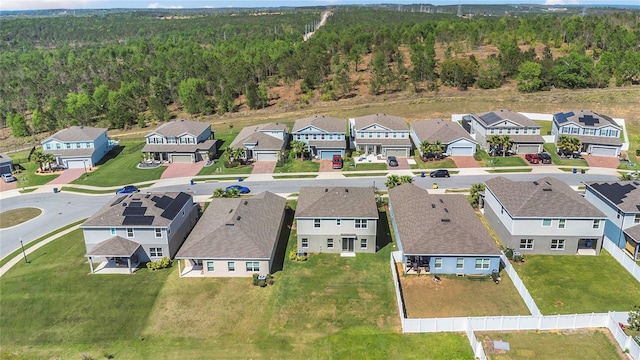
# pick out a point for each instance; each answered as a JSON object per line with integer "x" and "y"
{"x": 361, "y": 223}
{"x": 562, "y": 223}
{"x": 113, "y": 231}
{"x": 210, "y": 266}
{"x": 363, "y": 243}
{"x": 557, "y": 244}
{"x": 155, "y": 252}
{"x": 482, "y": 264}
{"x": 329, "y": 243}
{"x": 305, "y": 243}
{"x": 48, "y": 146}
{"x": 316, "y": 223}
{"x": 636, "y": 219}
{"x": 437, "y": 263}
{"x": 596, "y": 224}
{"x": 546, "y": 222}
{"x": 130, "y": 232}
{"x": 526, "y": 244}
{"x": 158, "y": 232}
{"x": 58, "y": 146}
{"x": 253, "y": 266}
{"x": 460, "y": 263}
{"x": 67, "y": 146}
{"x": 337, "y": 222}
{"x": 231, "y": 266}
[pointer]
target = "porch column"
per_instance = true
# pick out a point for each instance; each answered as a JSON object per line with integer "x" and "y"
{"x": 91, "y": 264}
{"x": 129, "y": 264}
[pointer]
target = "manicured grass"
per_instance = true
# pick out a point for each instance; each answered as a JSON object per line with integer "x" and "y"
{"x": 364, "y": 174}
{"x": 364, "y": 166}
{"x": 568, "y": 284}
{"x": 439, "y": 164}
{"x": 91, "y": 191}
{"x": 545, "y": 126}
{"x": 28, "y": 176}
{"x": 578, "y": 345}
{"x": 296, "y": 165}
{"x": 119, "y": 167}
{"x": 568, "y": 169}
{"x": 509, "y": 170}
{"x": 18, "y": 216}
{"x": 294, "y": 176}
{"x": 498, "y": 161}
{"x": 553, "y": 152}
{"x": 218, "y": 168}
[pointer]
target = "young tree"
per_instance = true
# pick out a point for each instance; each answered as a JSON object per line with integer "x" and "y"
{"x": 392, "y": 181}
{"x": 529, "y": 77}
{"x": 458, "y": 72}
{"x": 489, "y": 76}
{"x": 18, "y": 124}
{"x": 474, "y": 194}
{"x": 298, "y": 147}
{"x": 506, "y": 142}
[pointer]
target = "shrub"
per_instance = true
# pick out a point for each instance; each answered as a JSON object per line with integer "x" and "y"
{"x": 634, "y": 318}
{"x": 230, "y": 165}
{"x": 163, "y": 263}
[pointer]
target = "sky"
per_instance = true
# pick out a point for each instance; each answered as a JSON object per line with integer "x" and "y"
{"x": 180, "y": 4}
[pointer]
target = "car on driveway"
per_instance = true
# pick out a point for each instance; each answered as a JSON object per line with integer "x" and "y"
{"x": 532, "y": 158}
{"x": 439, "y": 173}
{"x": 393, "y": 162}
{"x": 241, "y": 189}
{"x": 129, "y": 189}
{"x": 8, "y": 177}
{"x": 545, "y": 158}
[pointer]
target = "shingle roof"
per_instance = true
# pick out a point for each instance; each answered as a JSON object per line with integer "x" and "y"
{"x": 438, "y": 129}
{"x": 438, "y": 224}
{"x": 633, "y": 232}
{"x": 192, "y": 148}
{"x": 245, "y": 228}
{"x": 324, "y": 144}
{"x": 151, "y": 209}
{"x": 114, "y": 246}
{"x": 337, "y": 202}
{"x": 527, "y": 139}
{"x": 623, "y": 194}
{"x": 492, "y": 117}
{"x": 385, "y": 142}
{"x": 254, "y": 134}
{"x": 585, "y": 118}
{"x": 179, "y": 127}
{"x": 84, "y": 152}
{"x": 599, "y": 140}
{"x": 389, "y": 121}
{"x": 543, "y": 198}
{"x": 328, "y": 124}
{"x": 77, "y": 133}
{"x": 4, "y": 158}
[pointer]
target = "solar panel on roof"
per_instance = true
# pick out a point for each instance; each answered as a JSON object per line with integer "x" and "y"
{"x": 172, "y": 210}
{"x": 614, "y": 192}
{"x": 119, "y": 200}
{"x": 491, "y": 118}
{"x": 135, "y": 204}
{"x": 137, "y": 220}
{"x": 562, "y": 117}
{"x": 134, "y": 211}
{"x": 164, "y": 202}
{"x": 589, "y": 120}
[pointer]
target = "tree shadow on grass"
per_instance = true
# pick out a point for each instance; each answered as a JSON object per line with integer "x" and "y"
{"x": 281, "y": 248}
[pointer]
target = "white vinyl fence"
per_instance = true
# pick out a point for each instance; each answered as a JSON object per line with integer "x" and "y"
{"x": 522, "y": 290}
{"x": 622, "y": 258}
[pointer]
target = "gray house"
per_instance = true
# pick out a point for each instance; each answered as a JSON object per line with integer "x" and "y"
{"x": 337, "y": 220}
{"x": 6, "y": 164}
{"x": 599, "y": 134}
{"x": 78, "y": 146}
{"x": 440, "y": 233}
{"x": 235, "y": 237}
{"x": 324, "y": 136}
{"x": 183, "y": 141}
{"x": 545, "y": 216}
{"x": 524, "y": 132}
{"x": 262, "y": 142}
{"x": 456, "y": 140}
{"x": 136, "y": 228}
{"x": 380, "y": 134}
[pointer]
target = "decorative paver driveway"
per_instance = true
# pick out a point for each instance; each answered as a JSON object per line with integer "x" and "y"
{"x": 464, "y": 161}
{"x": 602, "y": 161}
{"x": 263, "y": 167}
{"x": 8, "y": 186}
{"x": 327, "y": 166}
{"x": 67, "y": 176}
{"x": 177, "y": 170}
{"x": 403, "y": 164}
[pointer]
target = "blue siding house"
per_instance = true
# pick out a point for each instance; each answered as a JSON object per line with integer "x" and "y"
{"x": 440, "y": 233}
{"x": 78, "y": 146}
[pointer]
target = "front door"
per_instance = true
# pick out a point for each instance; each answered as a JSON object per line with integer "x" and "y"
{"x": 347, "y": 244}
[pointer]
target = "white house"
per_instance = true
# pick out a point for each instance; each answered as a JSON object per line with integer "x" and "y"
{"x": 324, "y": 136}
{"x": 599, "y": 134}
{"x": 78, "y": 146}
{"x": 262, "y": 142}
{"x": 380, "y": 134}
{"x": 524, "y": 132}
{"x": 183, "y": 141}
{"x": 455, "y": 139}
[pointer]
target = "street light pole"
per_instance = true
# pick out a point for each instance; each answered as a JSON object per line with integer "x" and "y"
{"x": 23, "y": 253}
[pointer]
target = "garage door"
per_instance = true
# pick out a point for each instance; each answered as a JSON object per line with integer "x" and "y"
{"x": 5, "y": 169}
{"x": 181, "y": 158}
{"x": 603, "y": 151}
{"x": 328, "y": 154}
{"x": 396, "y": 152}
{"x": 462, "y": 151}
{"x": 77, "y": 164}
{"x": 528, "y": 149}
{"x": 266, "y": 157}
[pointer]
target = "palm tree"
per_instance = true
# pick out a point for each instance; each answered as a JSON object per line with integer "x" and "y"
{"x": 437, "y": 148}
{"x": 219, "y": 193}
{"x": 406, "y": 179}
{"x": 298, "y": 147}
{"x": 425, "y": 148}
{"x": 238, "y": 153}
{"x": 392, "y": 181}
{"x": 39, "y": 157}
{"x": 568, "y": 144}
{"x": 626, "y": 176}
{"x": 505, "y": 142}
{"x": 49, "y": 159}
{"x": 474, "y": 194}
{"x": 228, "y": 152}
{"x": 233, "y": 193}
{"x": 494, "y": 141}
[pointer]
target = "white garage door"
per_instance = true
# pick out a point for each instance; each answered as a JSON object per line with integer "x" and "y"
{"x": 396, "y": 152}
{"x": 181, "y": 158}
{"x": 266, "y": 157}
{"x": 603, "y": 151}
{"x": 78, "y": 164}
{"x": 462, "y": 151}
{"x": 528, "y": 149}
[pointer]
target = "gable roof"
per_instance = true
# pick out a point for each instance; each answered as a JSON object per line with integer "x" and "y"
{"x": 253, "y": 134}
{"x": 240, "y": 228}
{"x": 625, "y": 195}
{"x": 151, "y": 209}
{"x": 438, "y": 129}
{"x": 179, "y": 127}
{"x": 77, "y": 133}
{"x": 491, "y": 118}
{"x": 328, "y": 124}
{"x": 337, "y": 202}
{"x": 389, "y": 121}
{"x": 4, "y": 158}
{"x": 438, "y": 224}
{"x": 584, "y": 118}
{"x": 114, "y": 246}
{"x": 633, "y": 232}
{"x": 543, "y": 198}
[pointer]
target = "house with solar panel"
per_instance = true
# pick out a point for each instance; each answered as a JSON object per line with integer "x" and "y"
{"x": 137, "y": 228}
{"x": 599, "y": 134}
{"x": 524, "y": 132}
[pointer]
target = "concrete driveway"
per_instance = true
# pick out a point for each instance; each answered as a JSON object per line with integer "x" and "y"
{"x": 178, "y": 170}
{"x": 67, "y": 176}
{"x": 263, "y": 167}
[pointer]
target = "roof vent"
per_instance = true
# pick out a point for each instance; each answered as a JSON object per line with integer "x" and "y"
{"x": 636, "y": 182}
{"x": 238, "y": 218}
{"x": 346, "y": 190}
{"x": 124, "y": 204}
{"x": 246, "y": 202}
{"x": 229, "y": 224}
{"x": 445, "y": 220}
{"x": 446, "y": 210}
{"x": 147, "y": 196}
{"x": 326, "y": 190}
{"x": 548, "y": 183}
{"x": 441, "y": 202}
{"x": 536, "y": 183}
{"x": 433, "y": 206}
{"x": 230, "y": 211}
{"x": 547, "y": 189}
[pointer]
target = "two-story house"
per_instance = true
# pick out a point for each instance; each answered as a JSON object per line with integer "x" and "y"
{"x": 599, "y": 134}
{"x": 137, "y": 228}
{"x": 235, "y": 237}
{"x": 324, "y": 136}
{"x": 183, "y": 141}
{"x": 337, "y": 220}
{"x": 6, "y": 164}
{"x": 456, "y": 141}
{"x": 78, "y": 146}
{"x": 524, "y": 132}
{"x": 380, "y": 134}
{"x": 545, "y": 216}
{"x": 440, "y": 233}
{"x": 620, "y": 202}
{"x": 262, "y": 142}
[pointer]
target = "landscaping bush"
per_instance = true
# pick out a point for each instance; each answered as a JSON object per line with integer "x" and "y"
{"x": 163, "y": 263}
{"x": 230, "y": 165}
{"x": 268, "y": 280}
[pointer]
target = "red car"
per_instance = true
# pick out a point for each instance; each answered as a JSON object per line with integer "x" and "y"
{"x": 532, "y": 158}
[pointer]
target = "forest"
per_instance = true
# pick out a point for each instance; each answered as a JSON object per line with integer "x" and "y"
{"x": 128, "y": 69}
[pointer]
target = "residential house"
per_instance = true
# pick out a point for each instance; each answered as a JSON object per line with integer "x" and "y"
{"x": 440, "y": 233}
{"x": 324, "y": 136}
{"x": 380, "y": 134}
{"x": 337, "y": 220}
{"x": 78, "y": 146}
{"x": 180, "y": 141}
{"x": 599, "y": 134}
{"x": 6, "y": 164}
{"x": 620, "y": 202}
{"x": 545, "y": 216}
{"x": 524, "y": 132}
{"x": 262, "y": 142}
{"x": 136, "y": 228}
{"x": 451, "y": 134}
{"x": 236, "y": 237}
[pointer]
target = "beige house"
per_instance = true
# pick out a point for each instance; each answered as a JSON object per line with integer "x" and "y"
{"x": 340, "y": 220}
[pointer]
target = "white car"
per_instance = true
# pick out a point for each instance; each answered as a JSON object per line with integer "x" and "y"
{"x": 8, "y": 177}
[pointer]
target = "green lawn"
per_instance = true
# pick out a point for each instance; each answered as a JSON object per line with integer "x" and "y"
{"x": 18, "y": 216}
{"x": 509, "y": 170}
{"x": 119, "y": 167}
{"x": 217, "y": 168}
{"x": 568, "y": 284}
{"x": 355, "y": 174}
{"x": 498, "y": 161}
{"x": 546, "y": 126}
{"x": 296, "y": 166}
{"x": 364, "y": 166}
{"x": 440, "y": 164}
{"x": 25, "y": 172}
{"x": 553, "y": 151}
{"x": 294, "y": 176}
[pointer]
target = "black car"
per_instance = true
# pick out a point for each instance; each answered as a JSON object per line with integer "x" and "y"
{"x": 392, "y": 161}
{"x": 545, "y": 158}
{"x": 439, "y": 173}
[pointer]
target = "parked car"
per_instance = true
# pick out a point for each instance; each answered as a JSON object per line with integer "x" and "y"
{"x": 532, "y": 158}
{"x": 8, "y": 177}
{"x": 129, "y": 189}
{"x": 336, "y": 162}
{"x": 393, "y": 162}
{"x": 241, "y": 189}
{"x": 440, "y": 173}
{"x": 544, "y": 158}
